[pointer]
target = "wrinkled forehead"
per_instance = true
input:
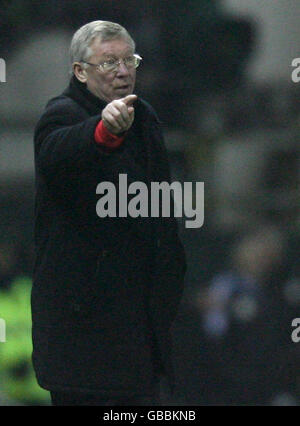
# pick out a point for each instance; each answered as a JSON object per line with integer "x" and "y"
{"x": 118, "y": 47}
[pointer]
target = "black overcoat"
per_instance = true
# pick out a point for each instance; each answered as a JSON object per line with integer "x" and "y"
{"x": 105, "y": 290}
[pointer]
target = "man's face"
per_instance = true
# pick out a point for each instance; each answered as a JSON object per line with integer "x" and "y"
{"x": 113, "y": 85}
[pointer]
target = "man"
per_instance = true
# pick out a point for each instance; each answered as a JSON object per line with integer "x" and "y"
{"x": 105, "y": 289}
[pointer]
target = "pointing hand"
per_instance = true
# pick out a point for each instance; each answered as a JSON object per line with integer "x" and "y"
{"x": 118, "y": 115}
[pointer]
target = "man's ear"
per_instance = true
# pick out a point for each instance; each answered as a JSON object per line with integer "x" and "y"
{"x": 79, "y": 72}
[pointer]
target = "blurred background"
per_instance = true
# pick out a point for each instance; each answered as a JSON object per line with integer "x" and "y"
{"x": 218, "y": 72}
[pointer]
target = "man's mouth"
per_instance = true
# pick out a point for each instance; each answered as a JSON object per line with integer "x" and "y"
{"x": 124, "y": 87}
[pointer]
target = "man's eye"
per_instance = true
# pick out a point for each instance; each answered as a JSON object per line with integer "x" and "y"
{"x": 130, "y": 60}
{"x": 110, "y": 62}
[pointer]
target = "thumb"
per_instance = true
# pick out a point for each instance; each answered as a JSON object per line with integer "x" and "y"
{"x": 130, "y": 110}
{"x": 129, "y": 99}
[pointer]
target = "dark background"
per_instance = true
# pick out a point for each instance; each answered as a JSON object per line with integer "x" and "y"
{"x": 219, "y": 75}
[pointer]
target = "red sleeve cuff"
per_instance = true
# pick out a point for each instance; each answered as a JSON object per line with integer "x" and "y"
{"x": 106, "y": 139}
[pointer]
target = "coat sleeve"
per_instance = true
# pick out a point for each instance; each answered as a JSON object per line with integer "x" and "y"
{"x": 64, "y": 138}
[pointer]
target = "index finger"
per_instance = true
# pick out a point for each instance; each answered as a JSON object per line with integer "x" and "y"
{"x": 129, "y": 99}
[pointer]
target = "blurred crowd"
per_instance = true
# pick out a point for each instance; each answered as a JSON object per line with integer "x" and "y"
{"x": 240, "y": 324}
{"x": 232, "y": 336}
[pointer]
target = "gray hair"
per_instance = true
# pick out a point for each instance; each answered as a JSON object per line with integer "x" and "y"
{"x": 104, "y": 30}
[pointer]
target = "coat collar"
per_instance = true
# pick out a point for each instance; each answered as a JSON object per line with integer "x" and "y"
{"x": 80, "y": 93}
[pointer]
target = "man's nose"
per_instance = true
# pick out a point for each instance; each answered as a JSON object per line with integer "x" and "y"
{"x": 122, "y": 69}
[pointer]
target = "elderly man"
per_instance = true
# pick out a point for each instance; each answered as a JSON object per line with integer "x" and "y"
{"x": 105, "y": 289}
